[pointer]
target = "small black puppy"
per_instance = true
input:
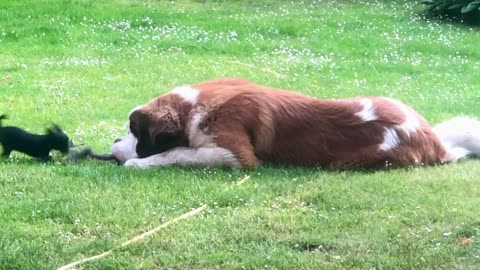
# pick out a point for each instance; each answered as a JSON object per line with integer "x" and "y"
{"x": 38, "y": 146}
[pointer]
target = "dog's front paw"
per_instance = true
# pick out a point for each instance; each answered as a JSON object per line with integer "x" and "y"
{"x": 135, "y": 163}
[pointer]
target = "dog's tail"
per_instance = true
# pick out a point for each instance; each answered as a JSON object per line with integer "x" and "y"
{"x": 461, "y": 137}
{"x": 2, "y": 117}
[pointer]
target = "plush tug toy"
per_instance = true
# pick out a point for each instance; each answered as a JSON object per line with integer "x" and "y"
{"x": 77, "y": 153}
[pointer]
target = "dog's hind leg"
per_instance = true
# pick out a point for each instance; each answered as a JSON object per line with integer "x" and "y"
{"x": 240, "y": 147}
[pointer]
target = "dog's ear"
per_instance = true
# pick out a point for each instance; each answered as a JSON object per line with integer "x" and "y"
{"x": 138, "y": 121}
{"x": 167, "y": 122}
{"x": 146, "y": 125}
{"x": 150, "y": 128}
{"x": 54, "y": 129}
{"x": 57, "y": 128}
{"x": 49, "y": 130}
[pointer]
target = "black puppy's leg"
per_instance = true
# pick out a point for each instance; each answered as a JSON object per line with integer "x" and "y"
{"x": 46, "y": 158}
{"x": 6, "y": 152}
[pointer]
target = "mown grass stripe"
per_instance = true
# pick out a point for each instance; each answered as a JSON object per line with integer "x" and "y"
{"x": 146, "y": 234}
{"x": 137, "y": 238}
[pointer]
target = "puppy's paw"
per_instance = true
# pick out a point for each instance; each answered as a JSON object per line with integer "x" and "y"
{"x": 135, "y": 163}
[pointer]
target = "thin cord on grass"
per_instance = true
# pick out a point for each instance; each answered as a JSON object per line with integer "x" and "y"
{"x": 96, "y": 257}
{"x": 136, "y": 238}
{"x": 144, "y": 235}
{"x": 243, "y": 180}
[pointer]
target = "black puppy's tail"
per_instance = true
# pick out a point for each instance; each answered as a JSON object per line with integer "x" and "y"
{"x": 2, "y": 117}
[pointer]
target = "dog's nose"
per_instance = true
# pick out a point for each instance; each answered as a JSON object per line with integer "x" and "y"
{"x": 117, "y": 140}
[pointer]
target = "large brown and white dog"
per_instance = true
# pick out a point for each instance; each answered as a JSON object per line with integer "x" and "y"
{"x": 237, "y": 123}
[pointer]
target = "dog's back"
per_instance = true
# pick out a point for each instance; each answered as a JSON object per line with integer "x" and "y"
{"x": 19, "y": 139}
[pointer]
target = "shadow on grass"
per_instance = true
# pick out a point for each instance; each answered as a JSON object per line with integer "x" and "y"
{"x": 455, "y": 17}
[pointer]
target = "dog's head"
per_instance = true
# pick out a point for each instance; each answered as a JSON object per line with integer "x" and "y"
{"x": 156, "y": 131}
{"x": 58, "y": 139}
{"x": 154, "y": 128}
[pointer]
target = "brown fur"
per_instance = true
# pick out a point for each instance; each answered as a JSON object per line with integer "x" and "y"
{"x": 159, "y": 126}
{"x": 261, "y": 124}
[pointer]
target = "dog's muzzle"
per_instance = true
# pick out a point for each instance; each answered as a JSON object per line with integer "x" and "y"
{"x": 124, "y": 148}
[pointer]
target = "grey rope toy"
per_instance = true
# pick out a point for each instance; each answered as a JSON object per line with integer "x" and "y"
{"x": 78, "y": 153}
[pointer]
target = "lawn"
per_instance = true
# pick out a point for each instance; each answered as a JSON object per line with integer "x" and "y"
{"x": 85, "y": 64}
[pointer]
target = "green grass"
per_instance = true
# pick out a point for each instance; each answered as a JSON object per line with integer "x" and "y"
{"x": 85, "y": 64}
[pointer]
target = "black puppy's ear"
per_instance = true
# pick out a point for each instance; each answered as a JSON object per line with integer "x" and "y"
{"x": 57, "y": 128}
{"x": 54, "y": 129}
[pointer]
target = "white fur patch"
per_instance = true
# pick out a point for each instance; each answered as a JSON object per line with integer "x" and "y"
{"x": 125, "y": 149}
{"x": 457, "y": 153}
{"x": 460, "y": 136}
{"x": 411, "y": 120}
{"x": 390, "y": 139}
{"x": 204, "y": 156}
{"x": 408, "y": 127}
{"x": 196, "y": 136}
{"x": 187, "y": 93}
{"x": 368, "y": 112}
